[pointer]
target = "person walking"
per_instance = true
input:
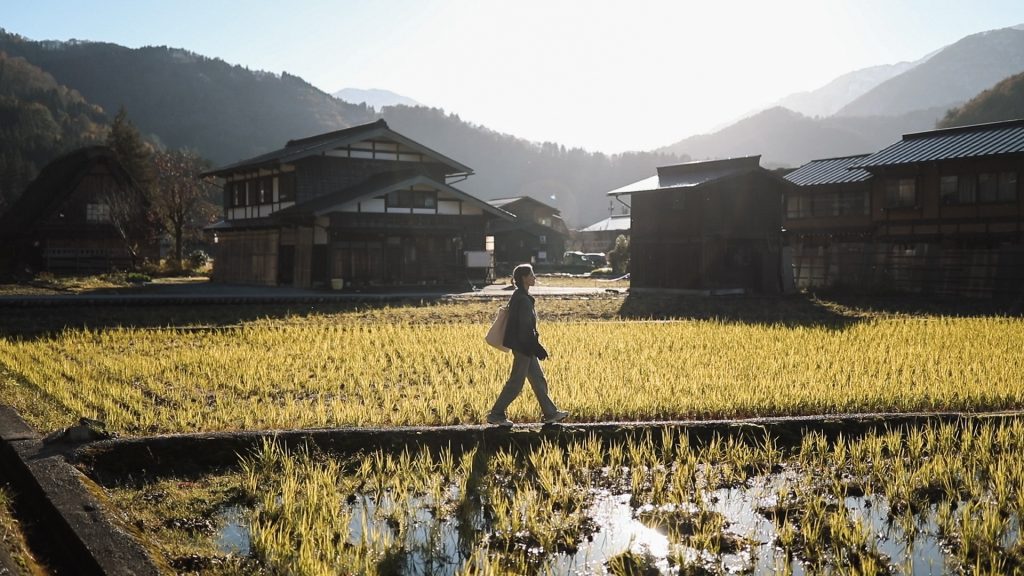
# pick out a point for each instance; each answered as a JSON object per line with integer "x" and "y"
{"x": 522, "y": 338}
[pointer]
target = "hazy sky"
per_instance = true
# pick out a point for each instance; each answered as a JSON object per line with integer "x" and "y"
{"x": 603, "y": 75}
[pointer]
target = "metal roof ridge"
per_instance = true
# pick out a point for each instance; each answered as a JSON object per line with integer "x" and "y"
{"x": 850, "y": 157}
{"x": 1019, "y": 122}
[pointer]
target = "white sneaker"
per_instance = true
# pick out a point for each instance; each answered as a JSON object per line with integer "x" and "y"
{"x": 498, "y": 420}
{"x": 558, "y": 416}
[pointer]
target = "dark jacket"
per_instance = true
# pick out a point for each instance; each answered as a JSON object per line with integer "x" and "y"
{"x": 521, "y": 330}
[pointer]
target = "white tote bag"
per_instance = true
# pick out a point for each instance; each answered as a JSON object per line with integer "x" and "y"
{"x": 496, "y": 334}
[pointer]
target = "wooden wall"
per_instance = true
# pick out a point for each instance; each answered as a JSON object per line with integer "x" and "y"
{"x": 247, "y": 257}
{"x": 920, "y": 268}
{"x": 716, "y": 236}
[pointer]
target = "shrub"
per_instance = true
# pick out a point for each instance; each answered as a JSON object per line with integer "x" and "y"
{"x": 198, "y": 259}
{"x": 619, "y": 256}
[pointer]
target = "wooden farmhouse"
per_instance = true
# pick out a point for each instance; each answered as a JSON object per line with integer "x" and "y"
{"x": 600, "y": 236}
{"x": 359, "y": 207}
{"x": 944, "y": 216}
{"x": 72, "y": 218}
{"x": 538, "y": 235}
{"x": 707, "y": 227}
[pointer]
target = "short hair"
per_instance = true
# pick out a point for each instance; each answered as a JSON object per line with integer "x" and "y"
{"x": 519, "y": 273}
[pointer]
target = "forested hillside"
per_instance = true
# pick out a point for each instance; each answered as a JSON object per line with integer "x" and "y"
{"x": 39, "y": 120}
{"x": 182, "y": 99}
{"x": 1004, "y": 101}
{"x": 227, "y": 113}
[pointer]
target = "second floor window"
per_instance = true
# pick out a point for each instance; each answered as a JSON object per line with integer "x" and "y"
{"x": 798, "y": 206}
{"x": 236, "y": 190}
{"x": 286, "y": 186}
{"x": 900, "y": 192}
{"x": 852, "y": 202}
{"x": 957, "y": 189}
{"x": 997, "y": 187}
{"x": 97, "y": 213}
{"x": 985, "y": 187}
{"x": 411, "y": 199}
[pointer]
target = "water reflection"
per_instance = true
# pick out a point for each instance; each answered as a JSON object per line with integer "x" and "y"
{"x": 442, "y": 545}
{"x": 233, "y": 536}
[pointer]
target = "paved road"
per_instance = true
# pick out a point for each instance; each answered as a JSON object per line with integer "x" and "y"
{"x": 206, "y": 292}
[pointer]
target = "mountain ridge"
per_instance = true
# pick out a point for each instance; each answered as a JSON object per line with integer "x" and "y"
{"x": 376, "y": 98}
{"x": 952, "y": 76}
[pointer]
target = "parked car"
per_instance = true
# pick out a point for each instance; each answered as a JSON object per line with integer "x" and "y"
{"x": 588, "y": 259}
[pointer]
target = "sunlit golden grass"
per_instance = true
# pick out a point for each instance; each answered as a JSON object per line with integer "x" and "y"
{"x": 408, "y": 366}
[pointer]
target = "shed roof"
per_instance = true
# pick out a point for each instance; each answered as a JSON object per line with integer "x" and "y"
{"x": 322, "y": 143}
{"x": 993, "y": 139}
{"x": 610, "y": 224}
{"x": 503, "y": 202}
{"x": 830, "y": 171}
{"x": 690, "y": 174}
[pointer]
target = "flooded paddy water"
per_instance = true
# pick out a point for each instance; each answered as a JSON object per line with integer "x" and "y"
{"x": 433, "y": 546}
{"x": 941, "y": 498}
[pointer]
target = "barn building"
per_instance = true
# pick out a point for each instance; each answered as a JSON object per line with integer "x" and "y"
{"x": 707, "y": 227}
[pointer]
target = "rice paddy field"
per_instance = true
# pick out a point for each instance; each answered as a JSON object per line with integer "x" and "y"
{"x": 429, "y": 365}
{"x": 940, "y": 498}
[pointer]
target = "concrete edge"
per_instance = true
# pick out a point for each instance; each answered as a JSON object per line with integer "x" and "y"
{"x": 89, "y": 538}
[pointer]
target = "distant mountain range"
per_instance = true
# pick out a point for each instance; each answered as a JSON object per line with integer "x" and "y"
{"x": 952, "y": 76}
{"x": 227, "y": 112}
{"x": 830, "y": 98}
{"x": 374, "y": 98}
{"x": 871, "y": 108}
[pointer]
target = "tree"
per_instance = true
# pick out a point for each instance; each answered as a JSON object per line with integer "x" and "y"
{"x": 619, "y": 256}
{"x": 181, "y": 198}
{"x": 130, "y": 207}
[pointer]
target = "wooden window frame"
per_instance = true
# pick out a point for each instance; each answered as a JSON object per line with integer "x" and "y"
{"x": 406, "y": 198}
{"x": 901, "y": 192}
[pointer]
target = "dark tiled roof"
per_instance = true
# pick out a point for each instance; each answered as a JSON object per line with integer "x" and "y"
{"x": 55, "y": 182}
{"x": 692, "y": 174}
{"x": 503, "y": 202}
{"x": 829, "y": 171}
{"x": 993, "y": 139}
{"x": 377, "y": 185}
{"x": 315, "y": 145}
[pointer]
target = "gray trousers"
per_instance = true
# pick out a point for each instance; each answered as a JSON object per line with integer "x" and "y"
{"x": 524, "y": 367}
